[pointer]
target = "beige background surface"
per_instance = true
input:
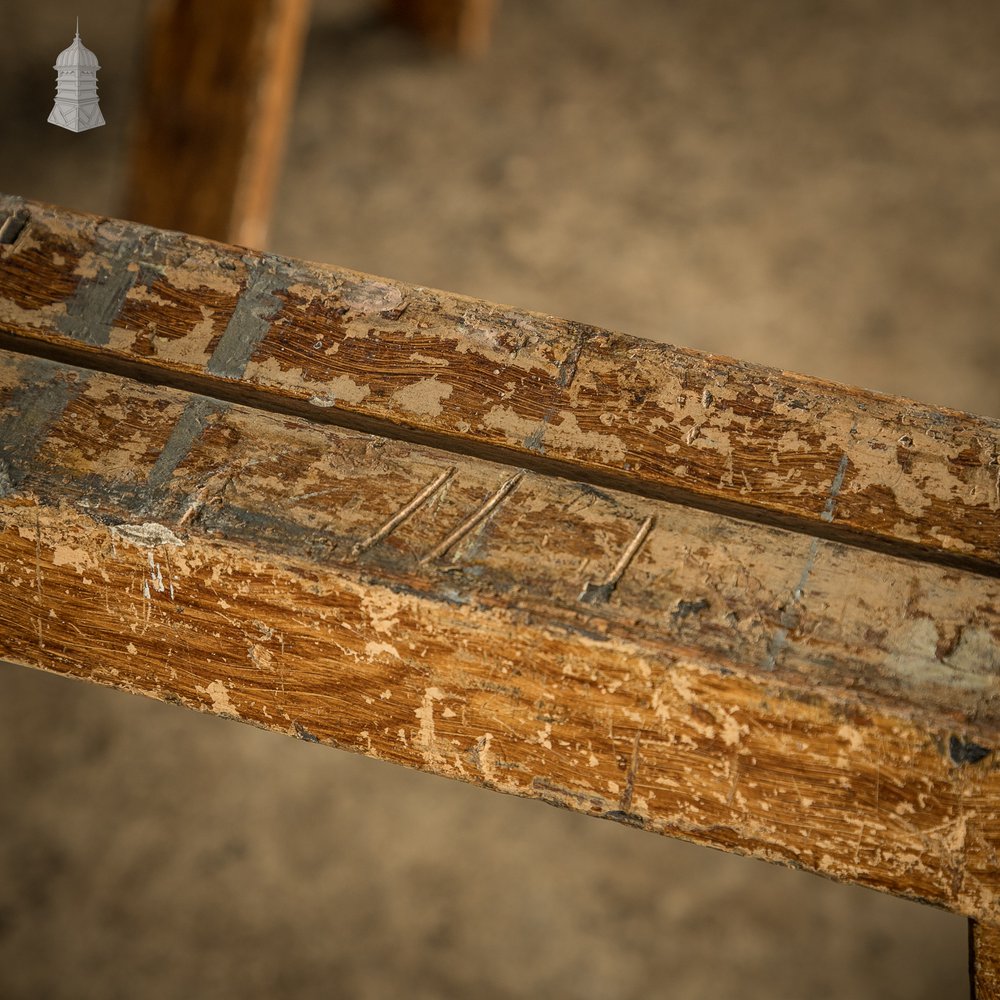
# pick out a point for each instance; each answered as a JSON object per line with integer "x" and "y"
{"x": 812, "y": 185}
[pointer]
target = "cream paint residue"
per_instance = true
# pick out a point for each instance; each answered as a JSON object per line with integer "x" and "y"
{"x": 145, "y": 536}
{"x": 370, "y": 296}
{"x": 484, "y": 757}
{"x": 564, "y": 433}
{"x": 425, "y": 713}
{"x": 260, "y": 656}
{"x": 930, "y": 477}
{"x": 194, "y": 344}
{"x": 341, "y": 389}
{"x": 851, "y": 736}
{"x": 79, "y": 559}
{"x": 422, "y": 398}
{"x": 425, "y": 359}
{"x": 972, "y": 666}
{"x": 382, "y": 607}
{"x": 377, "y": 649}
{"x": 200, "y": 270}
{"x": 270, "y": 372}
{"x": 221, "y": 702}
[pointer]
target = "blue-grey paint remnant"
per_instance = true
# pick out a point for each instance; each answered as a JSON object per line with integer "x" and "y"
{"x": 247, "y": 327}
{"x": 189, "y": 427}
{"x": 534, "y": 441}
{"x": 685, "y": 608}
{"x": 92, "y": 309}
{"x": 251, "y": 319}
{"x": 965, "y": 751}
{"x": 790, "y": 614}
{"x": 303, "y": 734}
{"x": 33, "y": 408}
{"x": 568, "y": 366}
{"x": 838, "y": 482}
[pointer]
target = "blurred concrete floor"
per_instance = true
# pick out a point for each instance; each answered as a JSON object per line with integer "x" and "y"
{"x": 807, "y": 184}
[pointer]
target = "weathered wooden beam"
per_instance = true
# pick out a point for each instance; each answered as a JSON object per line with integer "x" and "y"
{"x": 984, "y": 960}
{"x": 573, "y": 400}
{"x": 463, "y": 26}
{"x": 739, "y": 686}
{"x": 218, "y": 84}
{"x": 180, "y": 517}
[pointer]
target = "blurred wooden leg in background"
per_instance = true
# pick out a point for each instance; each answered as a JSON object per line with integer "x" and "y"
{"x": 984, "y": 960}
{"x": 213, "y": 115}
{"x": 464, "y": 26}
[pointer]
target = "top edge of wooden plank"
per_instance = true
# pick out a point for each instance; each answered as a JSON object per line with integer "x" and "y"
{"x": 467, "y": 375}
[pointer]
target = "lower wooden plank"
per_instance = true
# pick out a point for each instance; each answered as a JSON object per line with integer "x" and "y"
{"x": 984, "y": 960}
{"x": 219, "y": 79}
{"x": 739, "y": 686}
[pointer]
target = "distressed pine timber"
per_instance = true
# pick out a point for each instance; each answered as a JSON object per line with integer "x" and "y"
{"x": 218, "y": 84}
{"x": 741, "y": 685}
{"x": 523, "y": 388}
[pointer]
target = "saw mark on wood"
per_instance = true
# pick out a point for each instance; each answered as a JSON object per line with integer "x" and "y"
{"x": 600, "y": 593}
{"x": 12, "y": 226}
{"x": 404, "y": 514}
{"x": 475, "y": 518}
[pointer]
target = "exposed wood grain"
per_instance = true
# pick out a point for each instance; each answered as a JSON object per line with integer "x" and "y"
{"x": 528, "y": 389}
{"x": 213, "y": 112}
{"x": 739, "y": 685}
{"x": 463, "y": 26}
{"x": 984, "y": 960}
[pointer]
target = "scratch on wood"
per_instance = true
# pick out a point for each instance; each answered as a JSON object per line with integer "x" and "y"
{"x": 838, "y": 481}
{"x": 404, "y": 513}
{"x": 474, "y": 519}
{"x": 626, "y": 802}
{"x": 599, "y": 593}
{"x": 567, "y": 368}
{"x": 789, "y": 614}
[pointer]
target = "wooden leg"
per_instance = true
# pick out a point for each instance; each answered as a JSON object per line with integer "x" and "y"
{"x": 984, "y": 960}
{"x": 464, "y": 26}
{"x": 213, "y": 112}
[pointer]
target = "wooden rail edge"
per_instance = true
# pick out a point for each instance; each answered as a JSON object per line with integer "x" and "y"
{"x": 553, "y": 395}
